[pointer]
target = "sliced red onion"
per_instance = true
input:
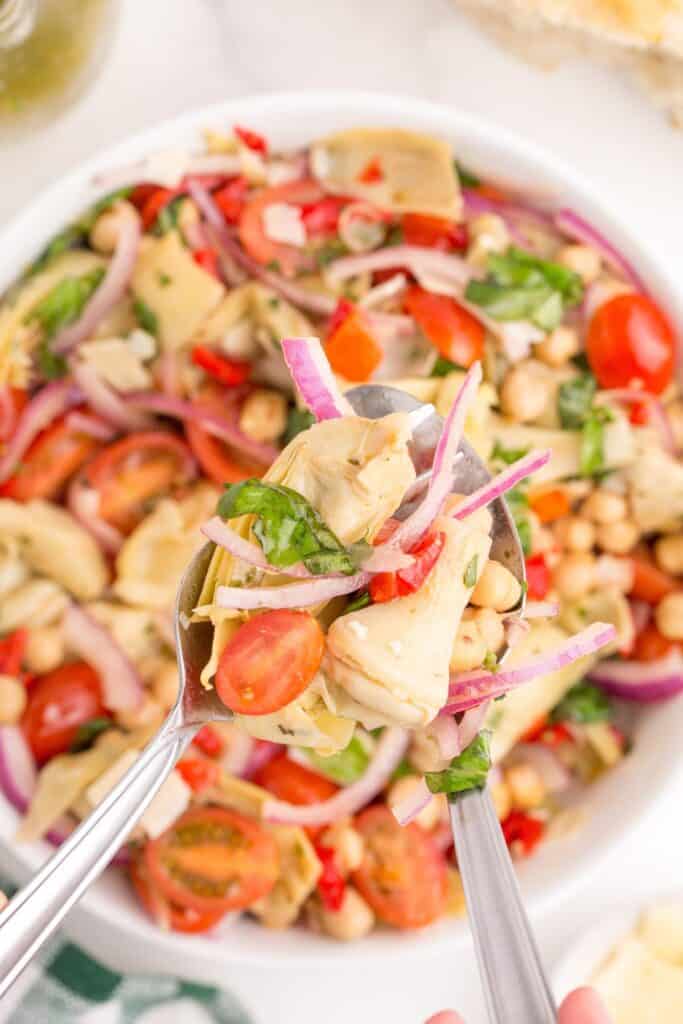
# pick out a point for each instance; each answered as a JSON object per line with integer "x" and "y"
{"x": 168, "y": 168}
{"x": 122, "y": 688}
{"x": 516, "y": 628}
{"x": 314, "y": 302}
{"x": 262, "y": 753}
{"x": 219, "y": 426}
{"x": 292, "y": 595}
{"x": 92, "y": 426}
{"x": 501, "y": 483}
{"x": 385, "y": 759}
{"x": 656, "y": 411}
{"x": 390, "y": 325}
{"x": 446, "y": 732}
{"x": 386, "y": 290}
{"x": 540, "y": 756}
{"x": 19, "y": 778}
{"x": 516, "y": 215}
{"x": 471, "y": 722}
{"x": 453, "y": 269}
{"x": 571, "y": 224}
{"x": 514, "y": 336}
{"x": 168, "y": 368}
{"x": 441, "y": 480}
{"x": 106, "y": 402}
{"x": 541, "y": 609}
{"x": 641, "y": 681}
{"x": 236, "y": 758}
{"x": 407, "y": 809}
{"x": 313, "y": 377}
{"x": 468, "y": 689}
{"x": 112, "y": 288}
{"x": 49, "y": 403}
{"x": 83, "y": 503}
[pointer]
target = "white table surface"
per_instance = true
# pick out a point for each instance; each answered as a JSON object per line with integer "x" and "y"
{"x": 172, "y": 55}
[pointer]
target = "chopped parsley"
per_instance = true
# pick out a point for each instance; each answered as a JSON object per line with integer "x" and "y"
{"x": 469, "y": 577}
{"x": 63, "y": 304}
{"x": 167, "y": 219}
{"x": 395, "y": 235}
{"x": 164, "y": 279}
{"x": 88, "y": 732}
{"x": 520, "y": 286}
{"x": 298, "y": 420}
{"x": 490, "y": 661}
{"x": 361, "y": 600}
{"x": 274, "y": 266}
{"x": 145, "y": 316}
{"x": 330, "y": 251}
{"x": 507, "y": 455}
{"x": 466, "y": 771}
{"x": 583, "y": 703}
{"x": 518, "y": 504}
{"x": 578, "y": 410}
{"x": 467, "y": 178}
{"x": 442, "y": 367}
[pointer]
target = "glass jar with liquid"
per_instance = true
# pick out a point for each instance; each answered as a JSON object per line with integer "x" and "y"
{"x": 50, "y": 50}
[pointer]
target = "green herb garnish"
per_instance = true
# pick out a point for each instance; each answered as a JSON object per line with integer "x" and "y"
{"x": 467, "y": 179}
{"x": 490, "y": 661}
{"x": 63, "y": 304}
{"x": 167, "y": 219}
{"x": 145, "y": 316}
{"x": 298, "y": 420}
{"x": 518, "y": 503}
{"x": 75, "y": 233}
{"x": 575, "y": 400}
{"x": 345, "y": 767}
{"x": 330, "y": 251}
{"x": 469, "y": 577}
{"x": 274, "y": 266}
{"x": 466, "y": 771}
{"x": 88, "y": 732}
{"x": 395, "y": 235}
{"x": 523, "y": 287}
{"x": 592, "y": 454}
{"x": 583, "y": 703}
{"x": 289, "y": 529}
{"x": 507, "y": 455}
{"x": 442, "y": 367}
{"x": 361, "y": 600}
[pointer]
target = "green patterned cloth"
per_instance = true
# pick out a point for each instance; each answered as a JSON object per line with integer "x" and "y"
{"x": 68, "y": 987}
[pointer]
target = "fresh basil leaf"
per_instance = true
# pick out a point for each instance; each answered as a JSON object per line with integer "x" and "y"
{"x": 583, "y": 703}
{"x": 575, "y": 401}
{"x": 88, "y": 732}
{"x": 298, "y": 420}
{"x": 442, "y": 367}
{"x": 51, "y": 365}
{"x": 395, "y": 235}
{"x": 490, "y": 662}
{"x": 466, "y": 178}
{"x": 507, "y": 455}
{"x": 330, "y": 251}
{"x": 288, "y": 528}
{"x": 592, "y": 453}
{"x": 362, "y": 600}
{"x": 65, "y": 301}
{"x": 466, "y": 771}
{"x": 146, "y": 317}
{"x": 469, "y": 577}
{"x": 168, "y": 217}
{"x": 75, "y": 234}
{"x": 520, "y": 286}
{"x": 403, "y": 768}
{"x": 345, "y": 767}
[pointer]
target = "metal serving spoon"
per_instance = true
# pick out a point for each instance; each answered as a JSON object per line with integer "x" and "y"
{"x": 510, "y": 966}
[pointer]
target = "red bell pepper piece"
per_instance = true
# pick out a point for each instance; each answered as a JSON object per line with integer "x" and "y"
{"x": 331, "y": 884}
{"x": 227, "y": 371}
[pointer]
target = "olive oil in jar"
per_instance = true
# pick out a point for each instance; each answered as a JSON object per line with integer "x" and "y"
{"x": 49, "y": 51}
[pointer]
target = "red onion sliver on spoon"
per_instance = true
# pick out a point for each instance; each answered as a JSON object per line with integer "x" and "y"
{"x": 292, "y": 595}
{"x": 468, "y": 689}
{"x": 106, "y": 402}
{"x": 50, "y": 402}
{"x": 446, "y": 732}
{"x": 385, "y": 759}
{"x": 471, "y": 723}
{"x": 107, "y": 294}
{"x": 501, "y": 483}
{"x": 407, "y": 809}
{"x": 122, "y": 688}
{"x": 312, "y": 374}
{"x": 570, "y": 223}
{"x": 641, "y": 681}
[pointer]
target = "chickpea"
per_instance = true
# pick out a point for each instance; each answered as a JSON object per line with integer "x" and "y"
{"x": 165, "y": 684}
{"x": 669, "y": 616}
{"x": 488, "y": 233}
{"x": 558, "y": 347}
{"x": 429, "y": 816}
{"x": 574, "y": 575}
{"x": 104, "y": 233}
{"x": 502, "y": 800}
{"x": 524, "y": 394}
{"x": 605, "y": 507}
{"x": 575, "y": 533}
{"x": 12, "y": 700}
{"x": 497, "y": 588}
{"x": 469, "y": 648}
{"x": 583, "y": 260}
{"x": 618, "y": 538}
{"x": 674, "y": 414}
{"x": 353, "y": 920}
{"x": 526, "y": 787}
{"x": 149, "y": 713}
{"x": 489, "y": 624}
{"x": 264, "y": 415}
{"x": 45, "y": 649}
{"x": 669, "y": 553}
{"x": 348, "y": 846}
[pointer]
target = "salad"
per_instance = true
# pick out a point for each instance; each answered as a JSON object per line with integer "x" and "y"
{"x": 173, "y": 367}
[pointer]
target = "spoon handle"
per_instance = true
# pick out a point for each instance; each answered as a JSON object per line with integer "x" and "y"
{"x": 511, "y": 971}
{"x": 38, "y": 909}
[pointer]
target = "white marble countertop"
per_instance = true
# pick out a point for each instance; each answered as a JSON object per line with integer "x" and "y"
{"x": 172, "y": 55}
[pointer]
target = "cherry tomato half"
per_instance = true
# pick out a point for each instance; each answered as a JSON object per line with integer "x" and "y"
{"x": 217, "y": 459}
{"x": 289, "y": 258}
{"x": 651, "y": 645}
{"x": 433, "y": 232}
{"x": 630, "y": 342}
{"x": 213, "y": 859}
{"x": 269, "y": 661}
{"x": 454, "y": 332}
{"x": 650, "y": 583}
{"x": 129, "y": 472}
{"x": 58, "y": 703}
{"x": 166, "y": 914}
{"x": 403, "y": 875}
{"x": 53, "y": 458}
{"x": 295, "y": 784}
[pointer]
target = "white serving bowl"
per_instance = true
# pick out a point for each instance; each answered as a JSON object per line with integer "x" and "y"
{"x": 108, "y": 919}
